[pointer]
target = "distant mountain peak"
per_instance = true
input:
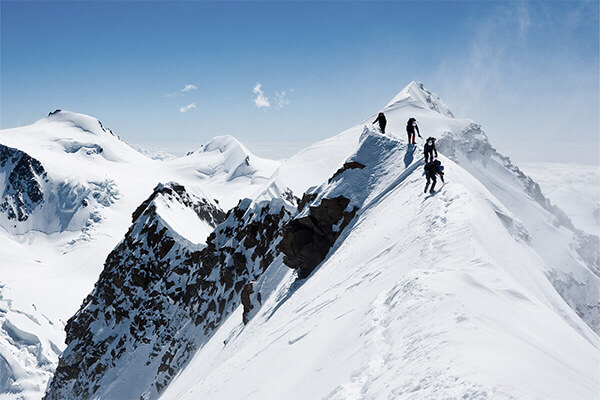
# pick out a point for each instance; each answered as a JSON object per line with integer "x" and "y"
{"x": 225, "y": 155}
{"x": 416, "y": 94}
{"x": 224, "y": 143}
{"x": 84, "y": 122}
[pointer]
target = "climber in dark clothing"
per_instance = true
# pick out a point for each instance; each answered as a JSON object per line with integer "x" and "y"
{"x": 429, "y": 149}
{"x": 430, "y": 175}
{"x": 432, "y": 169}
{"x": 382, "y": 122}
{"x": 411, "y": 127}
{"x": 438, "y": 169}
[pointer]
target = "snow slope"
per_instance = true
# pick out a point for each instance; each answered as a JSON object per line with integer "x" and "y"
{"x": 30, "y": 342}
{"x": 421, "y": 297}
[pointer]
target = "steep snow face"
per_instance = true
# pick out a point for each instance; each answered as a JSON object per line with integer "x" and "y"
{"x": 416, "y": 96}
{"x": 421, "y": 296}
{"x": 160, "y": 296}
{"x": 226, "y": 169}
{"x": 33, "y": 201}
{"x": 572, "y": 257}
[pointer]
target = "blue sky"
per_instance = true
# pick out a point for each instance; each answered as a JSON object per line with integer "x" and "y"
{"x": 527, "y": 71}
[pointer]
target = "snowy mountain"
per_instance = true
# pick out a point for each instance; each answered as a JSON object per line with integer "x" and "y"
{"x": 334, "y": 277}
{"x": 160, "y": 296}
{"x": 570, "y": 254}
{"x": 226, "y": 169}
{"x": 483, "y": 290}
{"x": 420, "y": 297}
{"x": 67, "y": 188}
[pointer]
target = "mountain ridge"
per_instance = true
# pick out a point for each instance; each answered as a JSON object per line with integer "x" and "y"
{"x": 347, "y": 184}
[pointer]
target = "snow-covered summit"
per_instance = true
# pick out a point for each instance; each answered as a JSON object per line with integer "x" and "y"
{"x": 571, "y": 256}
{"x": 72, "y": 144}
{"x": 418, "y": 96}
{"x": 84, "y": 122}
{"x": 225, "y": 169}
{"x": 226, "y": 156}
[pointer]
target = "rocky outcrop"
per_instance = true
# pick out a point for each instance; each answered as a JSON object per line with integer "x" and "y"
{"x": 251, "y": 301}
{"x": 308, "y": 238}
{"x": 159, "y": 299}
{"x": 34, "y": 200}
{"x": 348, "y": 165}
{"x": 24, "y": 177}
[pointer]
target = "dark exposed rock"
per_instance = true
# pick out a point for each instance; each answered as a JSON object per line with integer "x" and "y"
{"x": 289, "y": 196}
{"x": 345, "y": 167}
{"x": 306, "y": 199}
{"x": 24, "y": 177}
{"x": 308, "y": 238}
{"x": 251, "y": 301}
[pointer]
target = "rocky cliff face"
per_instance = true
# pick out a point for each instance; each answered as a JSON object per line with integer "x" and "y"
{"x": 160, "y": 297}
{"x": 34, "y": 200}
{"x": 23, "y": 177}
{"x": 308, "y": 237}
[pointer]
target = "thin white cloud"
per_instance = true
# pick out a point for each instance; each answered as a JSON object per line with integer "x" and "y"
{"x": 187, "y": 108}
{"x": 189, "y": 87}
{"x": 261, "y": 101}
{"x": 282, "y": 99}
{"x": 278, "y": 100}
